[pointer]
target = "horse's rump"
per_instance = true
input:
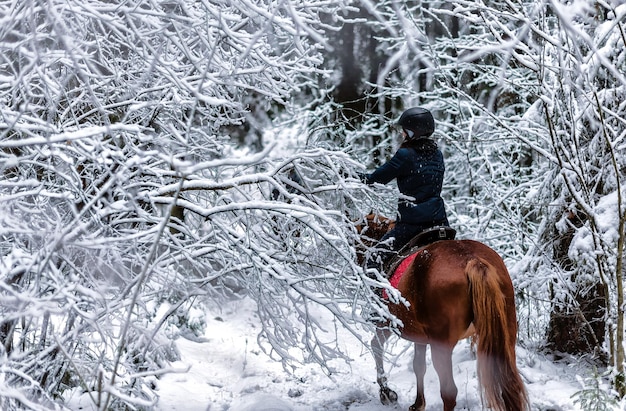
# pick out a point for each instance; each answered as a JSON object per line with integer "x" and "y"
{"x": 452, "y": 284}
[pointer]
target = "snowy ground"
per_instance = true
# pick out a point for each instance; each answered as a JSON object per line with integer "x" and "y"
{"x": 229, "y": 372}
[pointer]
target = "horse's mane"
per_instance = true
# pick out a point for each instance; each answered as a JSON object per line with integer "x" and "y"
{"x": 370, "y": 230}
{"x": 374, "y": 226}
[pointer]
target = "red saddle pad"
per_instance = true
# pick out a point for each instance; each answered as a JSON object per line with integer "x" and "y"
{"x": 400, "y": 270}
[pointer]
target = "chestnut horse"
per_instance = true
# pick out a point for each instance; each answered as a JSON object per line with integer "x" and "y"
{"x": 455, "y": 288}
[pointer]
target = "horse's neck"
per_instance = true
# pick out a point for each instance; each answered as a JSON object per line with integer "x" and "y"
{"x": 378, "y": 226}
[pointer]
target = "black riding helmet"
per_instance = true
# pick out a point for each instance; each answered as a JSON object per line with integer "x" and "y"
{"x": 418, "y": 121}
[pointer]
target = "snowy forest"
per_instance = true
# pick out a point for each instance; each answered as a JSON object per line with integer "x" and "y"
{"x": 160, "y": 158}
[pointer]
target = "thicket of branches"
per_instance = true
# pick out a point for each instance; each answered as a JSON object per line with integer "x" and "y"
{"x": 125, "y": 208}
{"x": 137, "y": 187}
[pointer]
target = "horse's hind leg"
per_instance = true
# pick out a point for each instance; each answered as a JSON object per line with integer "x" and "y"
{"x": 442, "y": 361}
{"x": 387, "y": 396}
{"x": 419, "y": 367}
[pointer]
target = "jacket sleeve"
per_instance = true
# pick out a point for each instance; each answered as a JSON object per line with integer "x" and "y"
{"x": 388, "y": 171}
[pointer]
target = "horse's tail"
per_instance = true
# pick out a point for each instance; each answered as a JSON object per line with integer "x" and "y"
{"x": 496, "y": 326}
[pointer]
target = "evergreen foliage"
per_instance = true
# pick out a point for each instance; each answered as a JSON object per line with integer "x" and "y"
{"x": 593, "y": 396}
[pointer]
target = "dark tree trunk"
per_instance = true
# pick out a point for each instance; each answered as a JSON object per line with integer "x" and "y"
{"x": 579, "y": 331}
{"x": 577, "y": 328}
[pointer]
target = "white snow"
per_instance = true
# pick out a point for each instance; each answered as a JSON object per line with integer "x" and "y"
{"x": 227, "y": 371}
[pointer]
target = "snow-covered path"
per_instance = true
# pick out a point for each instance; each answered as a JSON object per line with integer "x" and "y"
{"x": 228, "y": 372}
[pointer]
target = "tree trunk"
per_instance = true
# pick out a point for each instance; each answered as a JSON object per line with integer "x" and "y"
{"x": 580, "y": 330}
{"x": 577, "y": 328}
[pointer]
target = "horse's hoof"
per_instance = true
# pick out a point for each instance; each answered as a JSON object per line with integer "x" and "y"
{"x": 388, "y": 396}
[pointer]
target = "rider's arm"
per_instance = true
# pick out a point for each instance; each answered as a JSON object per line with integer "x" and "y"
{"x": 390, "y": 170}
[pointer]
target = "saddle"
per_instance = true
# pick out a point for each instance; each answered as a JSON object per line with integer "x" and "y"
{"x": 421, "y": 240}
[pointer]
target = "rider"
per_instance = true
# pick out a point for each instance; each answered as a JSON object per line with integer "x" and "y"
{"x": 418, "y": 168}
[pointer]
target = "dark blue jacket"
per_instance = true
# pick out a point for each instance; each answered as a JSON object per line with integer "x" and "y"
{"x": 419, "y": 173}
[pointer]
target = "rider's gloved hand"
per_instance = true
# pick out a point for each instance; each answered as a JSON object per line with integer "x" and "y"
{"x": 363, "y": 177}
